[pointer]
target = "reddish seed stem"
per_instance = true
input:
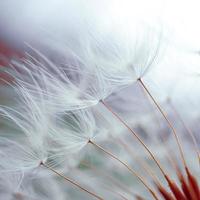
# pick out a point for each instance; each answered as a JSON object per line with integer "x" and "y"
{"x": 72, "y": 182}
{"x": 167, "y": 120}
{"x": 187, "y": 129}
{"x": 193, "y": 182}
{"x": 142, "y": 163}
{"x": 175, "y": 190}
{"x": 166, "y": 195}
{"x": 136, "y": 136}
{"x": 186, "y": 188}
{"x": 127, "y": 166}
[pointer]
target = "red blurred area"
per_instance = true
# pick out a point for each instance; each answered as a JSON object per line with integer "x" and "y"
{"x": 6, "y": 54}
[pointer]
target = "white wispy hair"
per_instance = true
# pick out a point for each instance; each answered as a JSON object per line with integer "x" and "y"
{"x": 31, "y": 117}
{"x": 54, "y": 149}
{"x": 19, "y": 157}
{"x": 42, "y": 78}
{"x": 103, "y": 61}
{"x": 50, "y": 136}
{"x": 64, "y": 88}
{"x": 125, "y": 55}
{"x": 72, "y": 134}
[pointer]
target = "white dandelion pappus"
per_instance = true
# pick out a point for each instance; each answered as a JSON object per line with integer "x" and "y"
{"x": 30, "y": 117}
{"x": 16, "y": 157}
{"x": 120, "y": 48}
{"x": 43, "y": 77}
{"x": 52, "y": 138}
{"x": 64, "y": 88}
{"x": 108, "y": 153}
{"x": 33, "y": 124}
{"x": 45, "y": 148}
{"x": 83, "y": 133}
{"x": 99, "y": 65}
{"x": 72, "y": 134}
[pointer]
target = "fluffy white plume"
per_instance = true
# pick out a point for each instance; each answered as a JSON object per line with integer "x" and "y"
{"x": 19, "y": 157}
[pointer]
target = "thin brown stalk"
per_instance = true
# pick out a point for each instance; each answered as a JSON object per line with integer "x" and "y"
{"x": 190, "y": 133}
{"x": 72, "y": 182}
{"x": 176, "y": 191}
{"x": 193, "y": 183}
{"x": 170, "y": 159}
{"x": 187, "y": 187}
{"x": 142, "y": 163}
{"x": 166, "y": 195}
{"x": 167, "y": 120}
{"x": 126, "y": 166}
{"x": 136, "y": 136}
{"x": 171, "y": 184}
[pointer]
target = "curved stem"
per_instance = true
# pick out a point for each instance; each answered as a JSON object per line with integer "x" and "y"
{"x": 137, "y": 137}
{"x": 187, "y": 129}
{"x": 72, "y": 182}
{"x": 167, "y": 120}
{"x": 142, "y": 163}
{"x": 127, "y": 166}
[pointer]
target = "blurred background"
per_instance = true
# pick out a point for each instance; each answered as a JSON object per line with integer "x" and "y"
{"x": 174, "y": 80}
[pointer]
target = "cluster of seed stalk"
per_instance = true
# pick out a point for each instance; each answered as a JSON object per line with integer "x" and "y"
{"x": 186, "y": 189}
